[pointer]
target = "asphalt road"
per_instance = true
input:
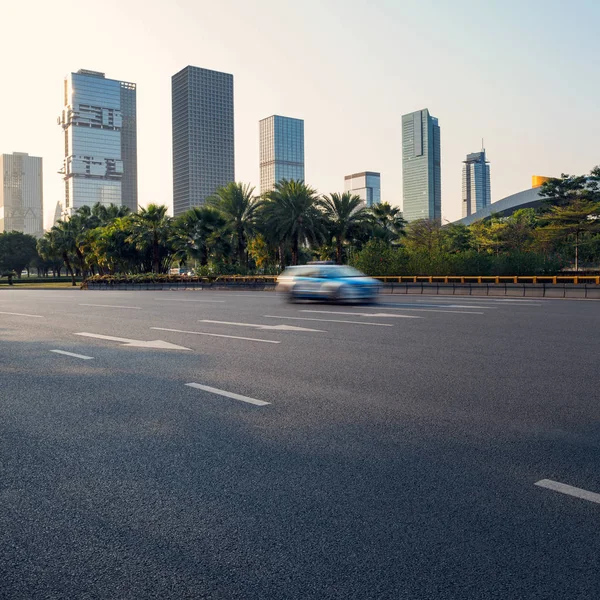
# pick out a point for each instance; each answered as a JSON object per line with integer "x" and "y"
{"x": 397, "y": 456}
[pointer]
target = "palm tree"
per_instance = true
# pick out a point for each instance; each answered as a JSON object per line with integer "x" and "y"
{"x": 389, "y": 220}
{"x": 62, "y": 240}
{"x": 151, "y": 228}
{"x": 291, "y": 212}
{"x": 237, "y": 204}
{"x": 199, "y": 232}
{"x": 344, "y": 213}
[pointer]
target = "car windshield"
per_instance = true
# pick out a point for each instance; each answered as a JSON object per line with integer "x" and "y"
{"x": 343, "y": 271}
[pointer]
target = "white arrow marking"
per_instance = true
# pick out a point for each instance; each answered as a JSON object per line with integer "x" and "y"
{"x": 22, "y": 315}
{"x": 157, "y": 344}
{"x": 563, "y": 488}
{"x": 257, "y": 326}
{"x": 82, "y": 356}
{"x": 330, "y": 320}
{"x": 386, "y": 315}
{"x": 212, "y": 390}
{"x": 219, "y": 335}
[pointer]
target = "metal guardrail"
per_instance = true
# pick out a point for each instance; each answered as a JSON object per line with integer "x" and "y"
{"x": 495, "y": 279}
{"x": 524, "y": 290}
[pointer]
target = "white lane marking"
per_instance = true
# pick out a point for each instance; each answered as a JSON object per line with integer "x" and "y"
{"x": 157, "y": 344}
{"x": 386, "y": 315}
{"x": 186, "y": 300}
{"x": 436, "y": 310}
{"x": 407, "y": 305}
{"x": 330, "y": 320}
{"x": 563, "y": 488}
{"x": 21, "y": 315}
{"x": 113, "y": 306}
{"x": 220, "y": 335}
{"x": 82, "y": 356}
{"x": 213, "y": 390}
{"x": 257, "y": 326}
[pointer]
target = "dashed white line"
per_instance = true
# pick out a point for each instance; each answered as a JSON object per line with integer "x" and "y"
{"x": 82, "y": 356}
{"x": 113, "y": 306}
{"x": 212, "y": 390}
{"x": 186, "y": 300}
{"x": 22, "y": 315}
{"x": 219, "y": 335}
{"x": 330, "y": 320}
{"x": 435, "y": 310}
{"x": 563, "y": 488}
{"x": 259, "y": 326}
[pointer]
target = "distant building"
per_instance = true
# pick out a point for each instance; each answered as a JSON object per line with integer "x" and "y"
{"x": 421, "y": 166}
{"x": 476, "y": 187}
{"x": 203, "y": 135}
{"x": 367, "y": 185}
{"x": 281, "y": 151}
{"x": 539, "y": 180}
{"x": 100, "y": 141}
{"x": 21, "y": 197}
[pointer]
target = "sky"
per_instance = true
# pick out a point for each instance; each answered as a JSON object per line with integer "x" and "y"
{"x": 521, "y": 75}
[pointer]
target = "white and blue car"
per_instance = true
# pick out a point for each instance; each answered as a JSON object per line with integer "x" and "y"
{"x": 334, "y": 283}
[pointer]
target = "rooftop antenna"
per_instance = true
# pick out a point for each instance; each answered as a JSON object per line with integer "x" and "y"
{"x": 482, "y": 146}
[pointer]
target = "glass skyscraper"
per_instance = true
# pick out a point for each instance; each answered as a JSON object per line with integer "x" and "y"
{"x": 476, "y": 186}
{"x": 421, "y": 166}
{"x": 100, "y": 141}
{"x": 203, "y": 135}
{"x": 281, "y": 151}
{"x": 21, "y": 198}
{"x": 367, "y": 185}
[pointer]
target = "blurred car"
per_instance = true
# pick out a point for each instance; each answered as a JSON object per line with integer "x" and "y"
{"x": 336, "y": 283}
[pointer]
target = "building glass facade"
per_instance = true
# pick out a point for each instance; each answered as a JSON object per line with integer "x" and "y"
{"x": 281, "y": 150}
{"x": 421, "y": 167}
{"x": 100, "y": 141}
{"x": 21, "y": 197}
{"x": 203, "y": 135}
{"x": 367, "y": 185}
{"x": 476, "y": 186}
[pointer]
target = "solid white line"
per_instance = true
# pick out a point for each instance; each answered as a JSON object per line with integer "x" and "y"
{"x": 334, "y": 312}
{"x": 112, "y": 306}
{"x": 330, "y": 320}
{"x": 233, "y": 337}
{"x": 82, "y": 356}
{"x": 21, "y": 315}
{"x": 563, "y": 488}
{"x": 213, "y": 390}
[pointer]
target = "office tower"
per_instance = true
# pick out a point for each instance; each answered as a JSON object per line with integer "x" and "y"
{"x": 421, "y": 166}
{"x": 367, "y": 185}
{"x": 203, "y": 135}
{"x": 281, "y": 151}
{"x": 100, "y": 141}
{"x": 476, "y": 187}
{"x": 21, "y": 198}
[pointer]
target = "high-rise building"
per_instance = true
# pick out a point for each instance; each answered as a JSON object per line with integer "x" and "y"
{"x": 281, "y": 151}
{"x": 421, "y": 166}
{"x": 21, "y": 197}
{"x": 476, "y": 187}
{"x": 367, "y": 185}
{"x": 203, "y": 135}
{"x": 100, "y": 141}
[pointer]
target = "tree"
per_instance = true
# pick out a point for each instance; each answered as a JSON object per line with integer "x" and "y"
{"x": 344, "y": 213}
{"x": 424, "y": 235}
{"x": 291, "y": 212}
{"x": 238, "y": 206}
{"x": 571, "y": 221}
{"x": 151, "y": 229}
{"x": 563, "y": 190}
{"x": 389, "y": 223}
{"x": 199, "y": 233}
{"x": 457, "y": 238}
{"x": 17, "y": 250}
{"x": 62, "y": 242}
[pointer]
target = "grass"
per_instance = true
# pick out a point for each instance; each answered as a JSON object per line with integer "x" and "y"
{"x": 34, "y": 286}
